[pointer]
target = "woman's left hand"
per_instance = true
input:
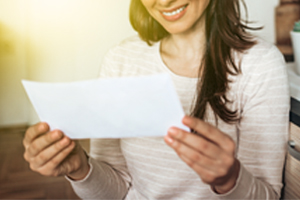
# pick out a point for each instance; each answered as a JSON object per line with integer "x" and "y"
{"x": 210, "y": 153}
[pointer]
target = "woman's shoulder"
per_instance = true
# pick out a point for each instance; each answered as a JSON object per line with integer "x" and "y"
{"x": 262, "y": 48}
{"x": 262, "y": 56}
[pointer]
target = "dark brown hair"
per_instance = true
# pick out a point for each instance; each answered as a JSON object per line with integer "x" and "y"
{"x": 225, "y": 33}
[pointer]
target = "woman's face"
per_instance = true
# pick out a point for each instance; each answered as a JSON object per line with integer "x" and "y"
{"x": 177, "y": 16}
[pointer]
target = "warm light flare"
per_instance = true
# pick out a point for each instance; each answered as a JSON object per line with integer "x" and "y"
{"x": 53, "y": 40}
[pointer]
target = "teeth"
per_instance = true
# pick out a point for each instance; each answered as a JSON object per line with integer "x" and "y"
{"x": 175, "y": 11}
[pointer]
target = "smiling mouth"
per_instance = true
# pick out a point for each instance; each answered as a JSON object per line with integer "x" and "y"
{"x": 175, "y": 12}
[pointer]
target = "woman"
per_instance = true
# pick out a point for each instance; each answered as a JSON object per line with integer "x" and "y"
{"x": 234, "y": 88}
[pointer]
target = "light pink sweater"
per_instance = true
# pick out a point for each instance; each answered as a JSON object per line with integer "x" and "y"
{"x": 146, "y": 168}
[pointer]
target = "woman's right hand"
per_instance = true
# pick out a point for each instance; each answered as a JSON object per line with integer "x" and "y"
{"x": 51, "y": 153}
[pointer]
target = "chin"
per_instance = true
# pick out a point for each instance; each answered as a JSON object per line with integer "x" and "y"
{"x": 177, "y": 29}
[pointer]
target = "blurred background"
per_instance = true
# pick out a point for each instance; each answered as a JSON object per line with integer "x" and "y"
{"x": 53, "y": 40}
{"x": 59, "y": 41}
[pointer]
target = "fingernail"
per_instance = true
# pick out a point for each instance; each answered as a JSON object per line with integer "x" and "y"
{"x": 173, "y": 131}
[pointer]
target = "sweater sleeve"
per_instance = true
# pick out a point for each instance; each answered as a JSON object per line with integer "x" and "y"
{"x": 263, "y": 129}
{"x": 108, "y": 177}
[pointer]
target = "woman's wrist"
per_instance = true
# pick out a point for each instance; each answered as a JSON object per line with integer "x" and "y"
{"x": 229, "y": 185}
{"x": 83, "y": 170}
{"x": 80, "y": 174}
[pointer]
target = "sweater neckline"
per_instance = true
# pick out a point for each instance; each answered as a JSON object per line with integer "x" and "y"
{"x": 166, "y": 68}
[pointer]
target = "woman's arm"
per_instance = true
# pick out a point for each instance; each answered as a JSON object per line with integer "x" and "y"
{"x": 264, "y": 126}
{"x": 108, "y": 177}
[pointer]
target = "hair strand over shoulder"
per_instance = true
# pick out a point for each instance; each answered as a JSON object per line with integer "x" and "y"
{"x": 225, "y": 34}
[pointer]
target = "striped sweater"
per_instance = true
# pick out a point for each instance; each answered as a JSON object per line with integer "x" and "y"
{"x": 146, "y": 168}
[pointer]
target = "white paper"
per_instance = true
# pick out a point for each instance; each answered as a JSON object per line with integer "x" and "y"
{"x": 108, "y": 108}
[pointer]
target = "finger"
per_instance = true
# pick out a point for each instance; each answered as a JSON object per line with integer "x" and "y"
{"x": 58, "y": 159}
{"x": 52, "y": 168}
{"x": 34, "y": 131}
{"x": 194, "y": 156}
{"x": 209, "y": 170}
{"x": 210, "y": 132}
{"x": 207, "y": 176}
{"x": 43, "y": 142}
{"x": 46, "y": 155}
{"x": 196, "y": 142}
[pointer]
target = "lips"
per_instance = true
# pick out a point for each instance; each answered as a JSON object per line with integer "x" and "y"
{"x": 174, "y": 14}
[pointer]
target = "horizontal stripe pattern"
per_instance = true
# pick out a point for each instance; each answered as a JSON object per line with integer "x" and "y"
{"x": 154, "y": 171}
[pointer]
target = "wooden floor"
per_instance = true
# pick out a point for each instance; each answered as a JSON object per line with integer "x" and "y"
{"x": 17, "y": 181}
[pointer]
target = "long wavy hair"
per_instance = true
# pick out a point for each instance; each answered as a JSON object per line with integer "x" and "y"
{"x": 225, "y": 33}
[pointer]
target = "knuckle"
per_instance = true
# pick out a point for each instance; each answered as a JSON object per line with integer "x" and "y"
{"x": 42, "y": 157}
{"x": 48, "y": 137}
{"x": 207, "y": 178}
{"x": 177, "y": 146}
{"x": 186, "y": 160}
{"x": 34, "y": 146}
{"x": 204, "y": 146}
{"x": 55, "y": 162}
{"x": 76, "y": 165}
{"x": 55, "y": 173}
{"x": 193, "y": 122}
{"x": 72, "y": 149}
{"x": 61, "y": 170}
{"x": 205, "y": 181}
{"x": 182, "y": 135}
{"x": 190, "y": 163}
{"x": 222, "y": 172}
{"x": 33, "y": 131}
{"x": 212, "y": 178}
{"x": 75, "y": 146}
{"x": 45, "y": 171}
{"x": 58, "y": 147}
{"x": 195, "y": 157}
{"x": 228, "y": 161}
{"x": 210, "y": 129}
